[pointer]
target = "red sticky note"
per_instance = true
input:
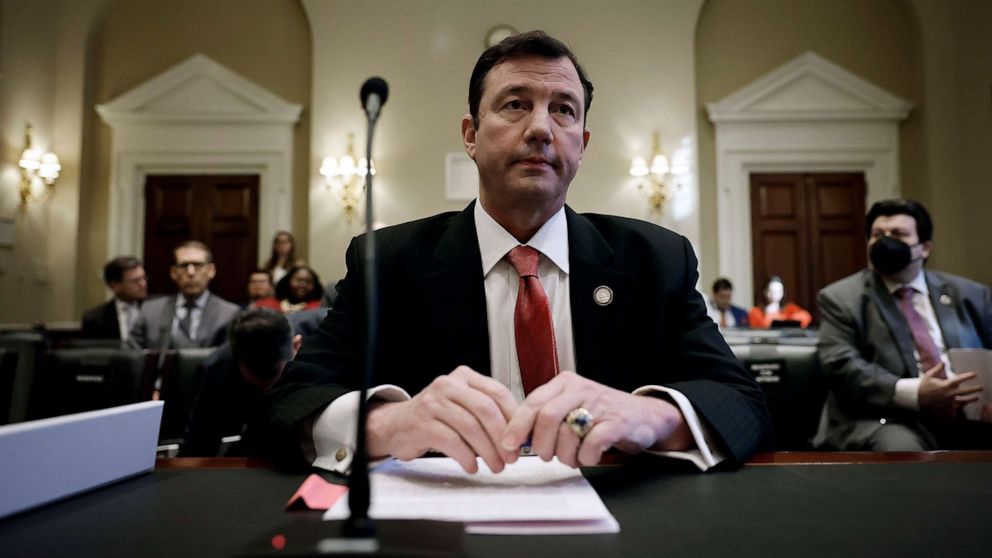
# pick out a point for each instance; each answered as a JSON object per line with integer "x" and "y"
{"x": 315, "y": 494}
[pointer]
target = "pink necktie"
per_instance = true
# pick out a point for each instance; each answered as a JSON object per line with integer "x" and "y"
{"x": 534, "y": 331}
{"x": 929, "y": 353}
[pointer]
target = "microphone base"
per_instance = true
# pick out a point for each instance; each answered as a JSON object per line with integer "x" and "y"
{"x": 400, "y": 538}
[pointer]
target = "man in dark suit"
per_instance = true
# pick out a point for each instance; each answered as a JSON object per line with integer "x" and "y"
{"x": 722, "y": 310}
{"x": 884, "y": 336}
{"x": 113, "y": 320}
{"x": 607, "y": 345}
{"x": 234, "y": 378}
{"x": 193, "y": 318}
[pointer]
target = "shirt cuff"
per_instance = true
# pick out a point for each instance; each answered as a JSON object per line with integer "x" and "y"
{"x": 907, "y": 393}
{"x": 706, "y": 454}
{"x": 335, "y": 429}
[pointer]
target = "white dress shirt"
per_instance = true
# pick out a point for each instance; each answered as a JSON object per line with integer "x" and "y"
{"x": 333, "y": 432}
{"x": 127, "y": 314}
{"x": 907, "y": 393}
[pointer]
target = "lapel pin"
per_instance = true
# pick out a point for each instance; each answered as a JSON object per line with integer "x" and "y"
{"x": 603, "y": 295}
{"x": 945, "y": 300}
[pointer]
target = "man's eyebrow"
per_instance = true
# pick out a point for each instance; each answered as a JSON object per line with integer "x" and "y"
{"x": 524, "y": 89}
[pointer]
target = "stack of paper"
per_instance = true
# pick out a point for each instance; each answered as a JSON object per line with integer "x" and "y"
{"x": 978, "y": 361}
{"x": 528, "y": 497}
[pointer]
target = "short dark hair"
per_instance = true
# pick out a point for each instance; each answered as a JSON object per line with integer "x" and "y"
{"x": 531, "y": 43}
{"x": 262, "y": 340}
{"x": 195, "y": 244}
{"x": 722, "y": 284}
{"x": 282, "y": 287}
{"x": 913, "y": 208}
{"x": 114, "y": 271}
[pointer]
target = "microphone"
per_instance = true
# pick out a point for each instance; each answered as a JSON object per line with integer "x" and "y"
{"x": 374, "y": 93}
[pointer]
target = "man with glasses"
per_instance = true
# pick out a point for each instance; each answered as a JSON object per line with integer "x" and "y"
{"x": 113, "y": 319}
{"x": 195, "y": 317}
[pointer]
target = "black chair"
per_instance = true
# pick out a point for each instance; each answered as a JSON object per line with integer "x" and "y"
{"x": 789, "y": 373}
{"x": 179, "y": 385}
{"x": 8, "y": 369}
{"x": 76, "y": 380}
{"x": 25, "y": 349}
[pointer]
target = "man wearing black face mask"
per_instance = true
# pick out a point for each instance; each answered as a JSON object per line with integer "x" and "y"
{"x": 883, "y": 344}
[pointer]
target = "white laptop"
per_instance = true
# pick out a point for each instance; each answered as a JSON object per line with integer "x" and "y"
{"x": 45, "y": 460}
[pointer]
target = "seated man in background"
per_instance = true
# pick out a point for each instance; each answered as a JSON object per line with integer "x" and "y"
{"x": 113, "y": 319}
{"x": 260, "y": 287}
{"x": 721, "y": 310}
{"x": 193, "y": 318}
{"x": 884, "y": 338}
{"x": 518, "y": 319}
{"x": 237, "y": 375}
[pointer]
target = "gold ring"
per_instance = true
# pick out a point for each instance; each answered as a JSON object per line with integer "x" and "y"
{"x": 580, "y": 421}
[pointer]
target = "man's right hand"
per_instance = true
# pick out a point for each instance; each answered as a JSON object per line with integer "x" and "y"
{"x": 462, "y": 415}
{"x": 945, "y": 396}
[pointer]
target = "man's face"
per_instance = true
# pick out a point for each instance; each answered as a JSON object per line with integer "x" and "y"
{"x": 192, "y": 272}
{"x": 722, "y": 298}
{"x": 259, "y": 286}
{"x": 902, "y": 228}
{"x": 133, "y": 286}
{"x": 531, "y": 134}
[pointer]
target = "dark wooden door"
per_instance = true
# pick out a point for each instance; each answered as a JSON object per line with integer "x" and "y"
{"x": 807, "y": 228}
{"x": 221, "y": 211}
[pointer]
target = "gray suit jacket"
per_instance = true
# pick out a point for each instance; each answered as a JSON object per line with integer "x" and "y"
{"x": 866, "y": 346}
{"x": 152, "y": 329}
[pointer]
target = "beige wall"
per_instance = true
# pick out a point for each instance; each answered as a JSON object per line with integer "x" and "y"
{"x": 43, "y": 77}
{"x": 266, "y": 42}
{"x": 639, "y": 55}
{"x": 957, "y": 62}
{"x": 740, "y": 41}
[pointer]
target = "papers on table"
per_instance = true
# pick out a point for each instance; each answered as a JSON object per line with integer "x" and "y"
{"x": 529, "y": 497}
{"x": 980, "y": 362}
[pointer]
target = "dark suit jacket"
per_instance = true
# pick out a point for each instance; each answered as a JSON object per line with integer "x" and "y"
{"x": 866, "y": 346}
{"x": 101, "y": 322}
{"x": 152, "y": 329}
{"x": 433, "y": 319}
{"x": 740, "y": 316}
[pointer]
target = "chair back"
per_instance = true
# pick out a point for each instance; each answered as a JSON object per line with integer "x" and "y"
{"x": 179, "y": 386}
{"x": 76, "y": 380}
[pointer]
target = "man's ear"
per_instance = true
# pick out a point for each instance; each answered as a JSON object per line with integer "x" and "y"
{"x": 468, "y": 135}
{"x": 297, "y": 343}
{"x": 585, "y": 142}
{"x": 925, "y": 249}
{"x": 211, "y": 270}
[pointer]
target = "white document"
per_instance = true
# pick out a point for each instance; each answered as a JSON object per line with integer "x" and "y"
{"x": 980, "y": 362}
{"x": 529, "y": 497}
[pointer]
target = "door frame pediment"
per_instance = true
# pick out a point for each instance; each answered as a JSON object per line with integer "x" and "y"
{"x": 198, "y": 117}
{"x": 808, "y": 115}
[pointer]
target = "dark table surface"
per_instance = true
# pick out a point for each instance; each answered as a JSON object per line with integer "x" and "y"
{"x": 842, "y": 505}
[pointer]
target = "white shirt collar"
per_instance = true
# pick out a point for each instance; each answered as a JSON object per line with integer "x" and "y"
{"x": 918, "y": 284}
{"x": 494, "y": 241}
{"x": 122, "y": 306}
{"x": 200, "y": 301}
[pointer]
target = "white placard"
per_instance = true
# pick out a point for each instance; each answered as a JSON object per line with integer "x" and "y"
{"x": 461, "y": 178}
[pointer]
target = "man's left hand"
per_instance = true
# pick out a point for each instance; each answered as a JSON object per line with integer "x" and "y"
{"x": 630, "y": 423}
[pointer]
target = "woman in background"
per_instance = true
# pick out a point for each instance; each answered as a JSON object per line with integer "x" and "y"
{"x": 776, "y": 309}
{"x": 283, "y": 255}
{"x": 299, "y": 290}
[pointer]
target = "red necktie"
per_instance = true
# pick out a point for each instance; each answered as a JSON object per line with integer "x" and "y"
{"x": 929, "y": 353}
{"x": 533, "y": 328}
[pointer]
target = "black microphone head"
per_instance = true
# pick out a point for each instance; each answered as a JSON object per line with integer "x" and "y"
{"x": 375, "y": 85}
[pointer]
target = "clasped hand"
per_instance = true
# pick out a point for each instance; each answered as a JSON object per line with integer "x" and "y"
{"x": 465, "y": 415}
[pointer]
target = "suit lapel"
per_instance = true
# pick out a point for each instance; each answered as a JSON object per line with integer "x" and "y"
{"x": 208, "y": 318}
{"x": 165, "y": 325}
{"x": 456, "y": 296}
{"x": 594, "y": 325}
{"x": 944, "y": 301}
{"x": 893, "y": 318}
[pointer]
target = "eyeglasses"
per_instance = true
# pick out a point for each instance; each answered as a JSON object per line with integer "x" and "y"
{"x": 197, "y": 266}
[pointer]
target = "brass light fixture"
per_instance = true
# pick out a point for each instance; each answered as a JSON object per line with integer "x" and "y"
{"x": 39, "y": 171}
{"x": 345, "y": 176}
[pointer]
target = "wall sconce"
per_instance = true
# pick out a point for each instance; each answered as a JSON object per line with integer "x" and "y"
{"x": 39, "y": 171}
{"x": 346, "y": 177}
{"x": 657, "y": 189}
